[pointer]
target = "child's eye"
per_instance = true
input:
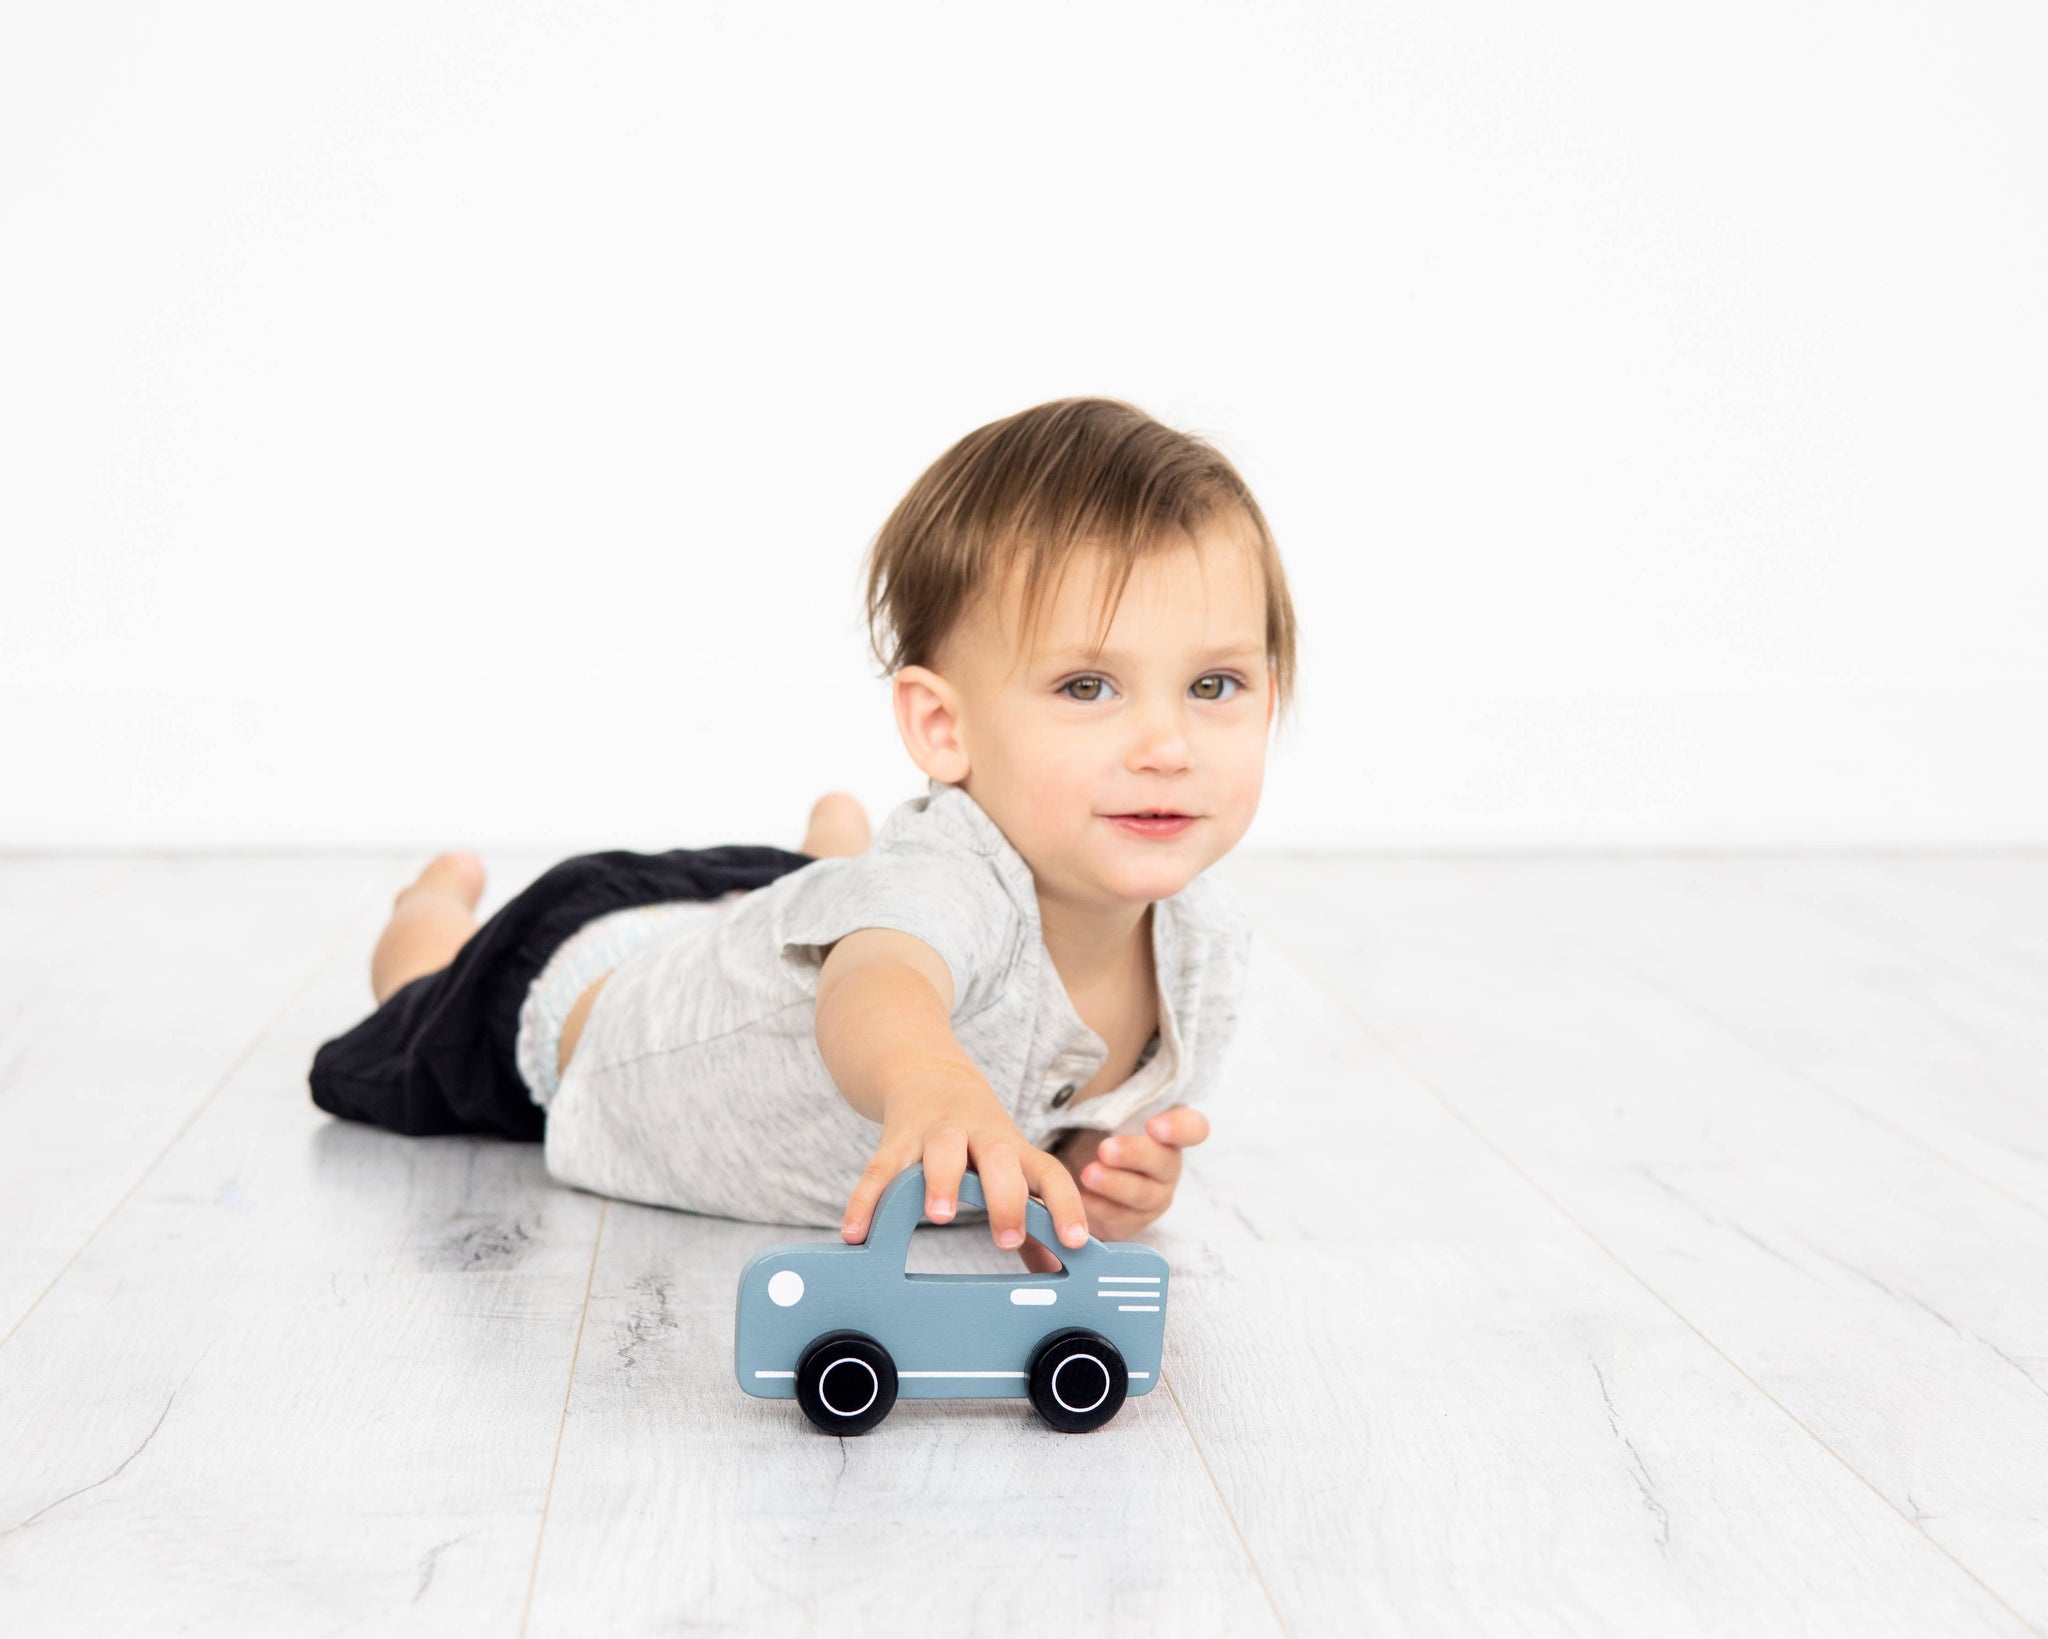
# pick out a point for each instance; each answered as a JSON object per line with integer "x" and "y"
{"x": 1102, "y": 683}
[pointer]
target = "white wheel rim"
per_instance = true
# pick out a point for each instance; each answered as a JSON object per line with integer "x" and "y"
{"x": 1064, "y": 1403}
{"x": 874, "y": 1385}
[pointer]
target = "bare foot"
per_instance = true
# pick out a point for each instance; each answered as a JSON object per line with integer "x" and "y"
{"x": 839, "y": 827}
{"x": 459, "y": 873}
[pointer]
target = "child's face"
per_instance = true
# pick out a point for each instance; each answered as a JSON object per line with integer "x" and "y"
{"x": 1174, "y": 715}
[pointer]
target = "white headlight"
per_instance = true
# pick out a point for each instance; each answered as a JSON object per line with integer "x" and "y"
{"x": 785, "y": 1286}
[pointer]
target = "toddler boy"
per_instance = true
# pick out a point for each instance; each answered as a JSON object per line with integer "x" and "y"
{"x": 1089, "y": 633}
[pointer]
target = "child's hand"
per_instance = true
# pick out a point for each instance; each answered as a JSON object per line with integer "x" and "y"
{"x": 1127, "y": 1180}
{"x": 944, "y": 1122}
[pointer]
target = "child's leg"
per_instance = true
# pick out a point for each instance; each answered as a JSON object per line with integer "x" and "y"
{"x": 838, "y": 830}
{"x": 430, "y": 919}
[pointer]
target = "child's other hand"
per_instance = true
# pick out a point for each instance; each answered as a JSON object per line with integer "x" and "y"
{"x": 945, "y": 1123}
{"x": 1127, "y": 1180}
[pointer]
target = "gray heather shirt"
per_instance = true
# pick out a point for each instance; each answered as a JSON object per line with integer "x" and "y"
{"x": 697, "y": 1082}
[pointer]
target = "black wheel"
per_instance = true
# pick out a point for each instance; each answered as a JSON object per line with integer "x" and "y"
{"x": 1078, "y": 1380}
{"x": 846, "y": 1382}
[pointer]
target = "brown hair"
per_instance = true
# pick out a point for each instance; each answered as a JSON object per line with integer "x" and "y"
{"x": 1043, "y": 485}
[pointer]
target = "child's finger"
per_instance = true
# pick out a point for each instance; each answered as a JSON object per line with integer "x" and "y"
{"x": 1135, "y": 1153}
{"x": 945, "y": 1161}
{"x": 1180, "y": 1125}
{"x": 1113, "y": 1221}
{"x": 1055, "y": 1186}
{"x": 1036, "y": 1258}
{"x": 1003, "y": 1191}
{"x": 860, "y": 1206}
{"x": 1131, "y": 1189}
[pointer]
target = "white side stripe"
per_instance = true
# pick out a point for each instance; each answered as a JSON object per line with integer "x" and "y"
{"x": 961, "y": 1374}
{"x": 943, "y": 1374}
{"x": 1137, "y": 1308}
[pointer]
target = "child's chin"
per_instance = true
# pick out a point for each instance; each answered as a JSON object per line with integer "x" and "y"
{"x": 1143, "y": 886}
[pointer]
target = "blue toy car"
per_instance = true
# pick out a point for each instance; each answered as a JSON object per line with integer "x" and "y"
{"x": 845, "y": 1329}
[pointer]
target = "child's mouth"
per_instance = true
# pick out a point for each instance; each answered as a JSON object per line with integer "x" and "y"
{"x": 1154, "y": 824}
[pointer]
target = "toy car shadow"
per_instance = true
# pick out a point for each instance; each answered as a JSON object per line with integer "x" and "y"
{"x": 845, "y": 1330}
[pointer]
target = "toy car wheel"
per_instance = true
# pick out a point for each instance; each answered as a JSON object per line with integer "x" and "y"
{"x": 845, "y": 1382}
{"x": 1078, "y": 1380}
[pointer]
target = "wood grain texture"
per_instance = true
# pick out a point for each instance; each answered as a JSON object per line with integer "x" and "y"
{"x": 132, "y": 988}
{"x": 1817, "y": 968}
{"x": 1887, "y": 1300}
{"x": 310, "y": 1375}
{"x": 1590, "y": 1247}
{"x": 1500, "y": 1430}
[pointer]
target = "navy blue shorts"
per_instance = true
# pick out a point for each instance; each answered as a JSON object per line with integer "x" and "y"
{"x": 437, "y": 1056}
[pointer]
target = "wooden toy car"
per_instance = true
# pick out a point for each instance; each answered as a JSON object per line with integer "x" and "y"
{"x": 846, "y": 1329}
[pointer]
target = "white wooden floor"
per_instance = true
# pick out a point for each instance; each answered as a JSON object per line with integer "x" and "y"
{"x": 1614, "y": 1247}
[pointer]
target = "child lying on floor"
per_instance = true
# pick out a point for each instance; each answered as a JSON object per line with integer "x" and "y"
{"x": 1024, "y": 970}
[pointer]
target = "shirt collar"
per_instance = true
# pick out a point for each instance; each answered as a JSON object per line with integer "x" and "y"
{"x": 968, "y": 822}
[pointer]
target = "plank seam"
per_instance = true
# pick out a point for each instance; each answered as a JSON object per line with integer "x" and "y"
{"x": 561, "y": 1428}
{"x": 1250, "y": 1558}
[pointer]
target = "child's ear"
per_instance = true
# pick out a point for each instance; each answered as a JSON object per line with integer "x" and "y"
{"x": 928, "y": 716}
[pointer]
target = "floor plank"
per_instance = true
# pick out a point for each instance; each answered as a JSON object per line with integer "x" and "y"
{"x": 309, "y": 1377}
{"x": 1437, "y": 1406}
{"x": 38, "y": 894}
{"x": 1952, "y": 1057}
{"x": 1884, "y": 1297}
{"x": 126, "y": 1011}
{"x": 1986, "y": 916}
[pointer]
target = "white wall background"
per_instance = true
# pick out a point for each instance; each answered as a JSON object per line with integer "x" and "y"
{"x": 433, "y": 424}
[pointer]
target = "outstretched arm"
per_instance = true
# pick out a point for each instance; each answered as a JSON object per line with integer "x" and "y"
{"x": 884, "y": 1028}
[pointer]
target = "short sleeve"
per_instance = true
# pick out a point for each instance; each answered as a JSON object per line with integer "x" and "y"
{"x": 956, "y": 904}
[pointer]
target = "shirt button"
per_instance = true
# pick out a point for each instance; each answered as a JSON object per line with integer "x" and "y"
{"x": 1060, "y": 1098}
